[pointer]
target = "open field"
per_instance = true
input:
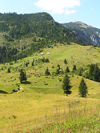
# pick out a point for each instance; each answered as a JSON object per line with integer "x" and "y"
{"x": 39, "y": 105}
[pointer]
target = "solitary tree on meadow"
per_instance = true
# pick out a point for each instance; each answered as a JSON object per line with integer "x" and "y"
{"x": 66, "y": 85}
{"x": 83, "y": 90}
{"x": 67, "y": 69}
{"x": 22, "y": 76}
{"x": 47, "y": 72}
{"x": 8, "y": 70}
{"x": 65, "y": 61}
{"x": 74, "y": 67}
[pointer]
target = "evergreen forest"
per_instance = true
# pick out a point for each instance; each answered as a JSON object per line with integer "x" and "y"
{"x": 21, "y": 35}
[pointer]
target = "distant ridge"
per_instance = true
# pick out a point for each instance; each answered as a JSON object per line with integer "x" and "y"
{"x": 87, "y": 33}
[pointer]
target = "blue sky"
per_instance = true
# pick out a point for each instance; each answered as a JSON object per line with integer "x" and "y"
{"x": 63, "y": 11}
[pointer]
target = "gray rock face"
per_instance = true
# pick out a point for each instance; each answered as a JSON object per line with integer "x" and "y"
{"x": 86, "y": 32}
{"x": 96, "y": 38}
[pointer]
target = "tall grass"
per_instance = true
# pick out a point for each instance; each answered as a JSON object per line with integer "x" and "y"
{"x": 71, "y": 119}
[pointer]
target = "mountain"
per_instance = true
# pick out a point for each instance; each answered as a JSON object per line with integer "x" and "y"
{"x": 86, "y": 32}
{"x": 23, "y": 34}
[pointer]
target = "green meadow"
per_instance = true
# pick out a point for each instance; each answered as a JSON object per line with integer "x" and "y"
{"x": 39, "y": 104}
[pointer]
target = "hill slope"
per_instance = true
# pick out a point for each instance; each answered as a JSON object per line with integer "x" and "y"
{"x": 39, "y": 105}
{"x": 21, "y": 35}
{"x": 87, "y": 33}
{"x": 40, "y": 101}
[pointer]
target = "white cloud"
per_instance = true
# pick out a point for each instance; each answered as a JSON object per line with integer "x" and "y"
{"x": 58, "y": 6}
{"x": 70, "y": 12}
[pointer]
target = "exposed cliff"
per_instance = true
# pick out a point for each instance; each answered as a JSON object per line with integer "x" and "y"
{"x": 86, "y": 32}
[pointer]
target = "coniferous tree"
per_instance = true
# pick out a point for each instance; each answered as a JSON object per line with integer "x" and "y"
{"x": 67, "y": 69}
{"x": 32, "y": 63}
{"x": 80, "y": 73}
{"x": 47, "y": 72}
{"x": 83, "y": 90}
{"x": 58, "y": 66}
{"x": 96, "y": 73}
{"x": 66, "y": 85}
{"x": 9, "y": 70}
{"x": 22, "y": 76}
{"x": 46, "y": 60}
{"x": 91, "y": 69}
{"x": 65, "y": 61}
{"x": 74, "y": 67}
{"x": 57, "y": 71}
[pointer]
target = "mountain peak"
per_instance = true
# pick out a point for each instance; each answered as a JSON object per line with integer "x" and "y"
{"x": 81, "y": 24}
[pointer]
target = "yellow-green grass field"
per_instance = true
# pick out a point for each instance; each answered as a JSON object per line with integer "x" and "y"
{"x": 39, "y": 105}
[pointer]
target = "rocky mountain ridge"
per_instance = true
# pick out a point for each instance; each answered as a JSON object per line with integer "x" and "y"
{"x": 86, "y": 32}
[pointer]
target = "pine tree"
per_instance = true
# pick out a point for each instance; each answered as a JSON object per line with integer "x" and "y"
{"x": 57, "y": 71}
{"x": 74, "y": 67}
{"x": 22, "y": 76}
{"x": 83, "y": 90}
{"x": 58, "y": 67}
{"x": 96, "y": 73}
{"x": 32, "y": 63}
{"x": 47, "y": 72}
{"x": 91, "y": 69}
{"x": 65, "y": 61}
{"x": 67, "y": 69}
{"x": 66, "y": 85}
{"x": 8, "y": 70}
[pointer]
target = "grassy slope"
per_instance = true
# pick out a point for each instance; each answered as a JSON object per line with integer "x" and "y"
{"x": 37, "y": 100}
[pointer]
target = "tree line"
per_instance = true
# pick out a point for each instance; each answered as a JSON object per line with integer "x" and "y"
{"x": 94, "y": 72}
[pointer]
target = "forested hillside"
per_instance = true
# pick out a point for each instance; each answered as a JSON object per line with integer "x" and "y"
{"x": 22, "y": 35}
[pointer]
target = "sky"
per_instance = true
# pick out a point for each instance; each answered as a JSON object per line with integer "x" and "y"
{"x": 62, "y": 11}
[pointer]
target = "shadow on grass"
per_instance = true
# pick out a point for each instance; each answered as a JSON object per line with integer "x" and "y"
{"x": 4, "y": 92}
{"x": 26, "y": 82}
